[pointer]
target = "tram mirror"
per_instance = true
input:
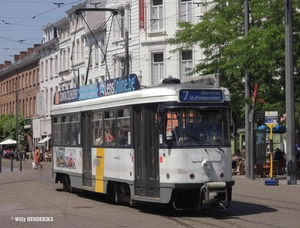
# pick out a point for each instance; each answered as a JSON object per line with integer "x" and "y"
{"x": 159, "y": 122}
{"x": 159, "y": 119}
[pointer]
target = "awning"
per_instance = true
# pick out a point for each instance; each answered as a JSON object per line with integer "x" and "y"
{"x": 8, "y": 141}
{"x": 44, "y": 140}
{"x": 27, "y": 126}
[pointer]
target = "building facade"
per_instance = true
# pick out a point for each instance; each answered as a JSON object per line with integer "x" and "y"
{"x": 19, "y": 84}
{"x": 86, "y": 47}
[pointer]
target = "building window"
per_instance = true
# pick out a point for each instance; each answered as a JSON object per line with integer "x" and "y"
{"x": 82, "y": 50}
{"x": 186, "y": 11}
{"x": 82, "y": 80}
{"x": 122, "y": 23}
{"x": 158, "y": 68}
{"x": 121, "y": 66}
{"x": 103, "y": 50}
{"x": 96, "y": 55}
{"x": 157, "y": 15}
{"x": 56, "y": 65}
{"x": 186, "y": 63}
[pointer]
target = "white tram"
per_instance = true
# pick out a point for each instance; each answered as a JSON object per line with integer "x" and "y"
{"x": 168, "y": 144}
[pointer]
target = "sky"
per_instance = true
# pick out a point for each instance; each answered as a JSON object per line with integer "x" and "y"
{"x": 22, "y": 22}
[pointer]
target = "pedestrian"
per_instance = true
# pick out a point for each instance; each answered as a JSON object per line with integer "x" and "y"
{"x": 37, "y": 157}
{"x": 278, "y": 155}
{"x": 297, "y": 151}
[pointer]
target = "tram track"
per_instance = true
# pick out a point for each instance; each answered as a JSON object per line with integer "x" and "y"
{"x": 200, "y": 220}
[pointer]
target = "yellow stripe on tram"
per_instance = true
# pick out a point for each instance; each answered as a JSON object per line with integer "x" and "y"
{"x": 99, "y": 186}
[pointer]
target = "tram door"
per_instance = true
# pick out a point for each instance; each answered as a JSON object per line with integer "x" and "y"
{"x": 86, "y": 149}
{"x": 146, "y": 152}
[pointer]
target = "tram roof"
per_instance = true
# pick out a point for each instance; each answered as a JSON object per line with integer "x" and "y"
{"x": 146, "y": 95}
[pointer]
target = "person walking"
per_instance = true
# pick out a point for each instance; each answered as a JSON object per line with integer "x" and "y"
{"x": 37, "y": 157}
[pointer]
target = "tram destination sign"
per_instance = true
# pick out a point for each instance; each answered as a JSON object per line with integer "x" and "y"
{"x": 202, "y": 95}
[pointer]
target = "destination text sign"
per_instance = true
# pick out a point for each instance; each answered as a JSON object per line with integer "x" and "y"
{"x": 206, "y": 95}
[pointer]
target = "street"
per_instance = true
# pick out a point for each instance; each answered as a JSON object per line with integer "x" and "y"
{"x": 32, "y": 198}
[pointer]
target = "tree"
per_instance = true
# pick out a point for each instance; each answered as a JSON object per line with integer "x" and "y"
{"x": 262, "y": 52}
{"x": 8, "y": 128}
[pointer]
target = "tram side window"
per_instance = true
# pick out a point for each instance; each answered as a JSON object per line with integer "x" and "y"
{"x": 110, "y": 128}
{"x": 75, "y": 129}
{"x": 57, "y": 130}
{"x": 124, "y": 135}
{"x": 65, "y": 130}
{"x": 97, "y": 129}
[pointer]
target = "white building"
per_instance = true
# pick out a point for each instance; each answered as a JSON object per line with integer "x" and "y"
{"x": 63, "y": 62}
{"x": 150, "y": 23}
{"x": 84, "y": 50}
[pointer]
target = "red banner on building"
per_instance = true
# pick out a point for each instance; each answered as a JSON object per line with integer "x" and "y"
{"x": 142, "y": 14}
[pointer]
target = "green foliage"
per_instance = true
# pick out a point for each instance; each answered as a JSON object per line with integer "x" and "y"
{"x": 8, "y": 128}
{"x": 262, "y": 52}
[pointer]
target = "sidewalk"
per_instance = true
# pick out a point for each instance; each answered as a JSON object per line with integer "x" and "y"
{"x": 26, "y": 166}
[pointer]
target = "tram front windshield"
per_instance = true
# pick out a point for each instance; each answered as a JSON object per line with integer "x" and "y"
{"x": 197, "y": 126}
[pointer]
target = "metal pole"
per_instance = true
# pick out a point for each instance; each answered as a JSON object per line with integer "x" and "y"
{"x": 271, "y": 152}
{"x": 289, "y": 97}
{"x": 251, "y": 166}
{"x": 247, "y": 97}
{"x": 126, "y": 54}
{"x": 11, "y": 164}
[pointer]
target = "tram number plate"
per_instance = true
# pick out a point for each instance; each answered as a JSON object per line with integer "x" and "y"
{"x": 206, "y": 174}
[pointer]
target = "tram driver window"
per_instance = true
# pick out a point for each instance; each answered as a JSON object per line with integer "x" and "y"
{"x": 171, "y": 128}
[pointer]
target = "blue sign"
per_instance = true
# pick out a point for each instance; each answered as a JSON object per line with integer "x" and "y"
{"x": 67, "y": 96}
{"x": 204, "y": 95}
{"x": 271, "y": 121}
{"x": 113, "y": 86}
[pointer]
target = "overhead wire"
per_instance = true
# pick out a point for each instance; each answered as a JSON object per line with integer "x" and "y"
{"x": 110, "y": 30}
{"x": 18, "y": 23}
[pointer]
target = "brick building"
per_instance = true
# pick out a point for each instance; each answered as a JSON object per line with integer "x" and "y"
{"x": 19, "y": 84}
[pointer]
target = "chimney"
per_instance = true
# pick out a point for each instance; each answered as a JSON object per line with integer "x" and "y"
{"x": 23, "y": 54}
{"x": 29, "y": 51}
{"x": 1, "y": 66}
{"x": 7, "y": 64}
{"x": 16, "y": 58}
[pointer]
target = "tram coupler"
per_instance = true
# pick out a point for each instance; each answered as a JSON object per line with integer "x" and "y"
{"x": 211, "y": 193}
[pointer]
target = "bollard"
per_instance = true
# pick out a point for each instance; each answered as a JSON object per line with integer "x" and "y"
{"x": 20, "y": 162}
{"x": 11, "y": 164}
{"x": 0, "y": 165}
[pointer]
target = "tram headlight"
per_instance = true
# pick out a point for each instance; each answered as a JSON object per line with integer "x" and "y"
{"x": 207, "y": 165}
